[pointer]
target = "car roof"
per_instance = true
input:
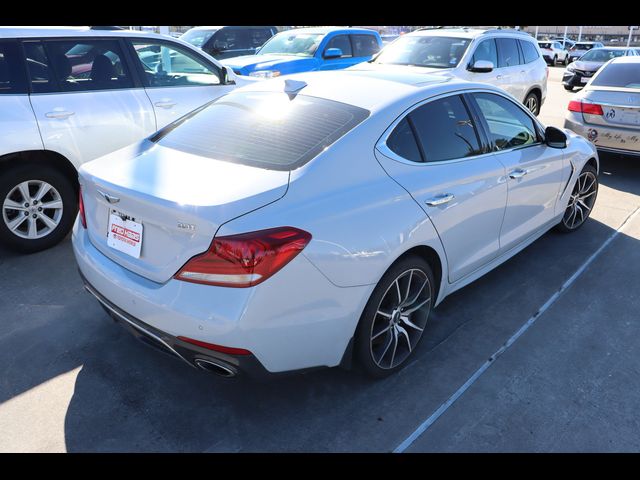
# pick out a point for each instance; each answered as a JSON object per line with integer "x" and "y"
{"x": 218, "y": 27}
{"x": 612, "y": 48}
{"x": 30, "y": 32}
{"x": 468, "y": 32}
{"x": 369, "y": 89}
{"x": 325, "y": 30}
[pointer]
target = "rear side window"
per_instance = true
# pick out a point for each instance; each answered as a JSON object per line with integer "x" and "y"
{"x": 258, "y": 36}
{"x": 508, "y": 55}
{"x": 40, "y": 75}
{"x": 624, "y": 75}
{"x": 445, "y": 130}
{"x": 342, "y": 42}
{"x": 486, "y": 51}
{"x": 263, "y": 129}
{"x": 364, "y": 45}
{"x": 403, "y": 142}
{"x": 529, "y": 51}
{"x": 12, "y": 77}
{"x": 83, "y": 65}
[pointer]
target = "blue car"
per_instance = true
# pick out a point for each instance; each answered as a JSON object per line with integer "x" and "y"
{"x": 305, "y": 49}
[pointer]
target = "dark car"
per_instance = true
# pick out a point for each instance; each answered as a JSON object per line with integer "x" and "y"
{"x": 578, "y": 73}
{"x": 580, "y": 48}
{"x": 227, "y": 42}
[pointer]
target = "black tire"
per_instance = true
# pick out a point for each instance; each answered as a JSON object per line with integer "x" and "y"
{"x": 66, "y": 189}
{"x": 565, "y": 224}
{"x": 566, "y": 60}
{"x": 363, "y": 349}
{"x": 532, "y": 102}
{"x": 568, "y": 88}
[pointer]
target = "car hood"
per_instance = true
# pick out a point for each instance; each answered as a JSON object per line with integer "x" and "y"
{"x": 250, "y": 63}
{"x": 385, "y": 67}
{"x": 587, "y": 66}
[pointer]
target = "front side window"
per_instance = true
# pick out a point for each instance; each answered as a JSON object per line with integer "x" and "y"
{"x": 508, "y": 55}
{"x": 529, "y": 51}
{"x": 12, "y": 79}
{"x": 298, "y": 44}
{"x": 81, "y": 65}
{"x": 364, "y": 45}
{"x": 509, "y": 126}
{"x": 342, "y": 42}
{"x": 263, "y": 129}
{"x": 170, "y": 66}
{"x": 424, "y": 51}
{"x": 486, "y": 51}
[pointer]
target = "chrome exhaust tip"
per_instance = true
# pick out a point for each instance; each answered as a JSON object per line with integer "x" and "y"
{"x": 217, "y": 368}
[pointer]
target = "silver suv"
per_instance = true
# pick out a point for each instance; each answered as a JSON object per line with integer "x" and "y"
{"x": 509, "y": 59}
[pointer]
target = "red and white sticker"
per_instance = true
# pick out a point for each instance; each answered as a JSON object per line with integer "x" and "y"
{"x": 125, "y": 235}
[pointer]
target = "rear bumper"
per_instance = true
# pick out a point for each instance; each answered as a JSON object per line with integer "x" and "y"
{"x": 606, "y": 139}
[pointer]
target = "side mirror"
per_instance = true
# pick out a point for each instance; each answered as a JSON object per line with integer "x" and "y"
{"x": 555, "y": 138}
{"x": 481, "y": 66}
{"x": 228, "y": 78}
{"x": 332, "y": 53}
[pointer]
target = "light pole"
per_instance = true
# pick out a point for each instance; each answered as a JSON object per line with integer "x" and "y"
{"x": 536, "y": 35}
{"x": 564, "y": 39}
{"x": 580, "y": 33}
{"x": 630, "y": 34}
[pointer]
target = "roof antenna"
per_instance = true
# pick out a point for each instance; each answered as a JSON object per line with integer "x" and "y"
{"x": 293, "y": 87}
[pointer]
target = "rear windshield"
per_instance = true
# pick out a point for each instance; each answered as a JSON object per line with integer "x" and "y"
{"x": 626, "y": 75}
{"x": 263, "y": 129}
{"x": 583, "y": 46}
{"x": 545, "y": 44}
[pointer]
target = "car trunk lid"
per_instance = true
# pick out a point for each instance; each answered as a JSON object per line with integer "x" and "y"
{"x": 620, "y": 106}
{"x": 180, "y": 199}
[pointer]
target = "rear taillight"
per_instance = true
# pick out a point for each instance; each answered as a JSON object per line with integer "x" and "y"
{"x": 247, "y": 259}
{"x": 584, "y": 107}
{"x": 83, "y": 218}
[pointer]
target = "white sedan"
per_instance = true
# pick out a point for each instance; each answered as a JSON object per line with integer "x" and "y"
{"x": 316, "y": 220}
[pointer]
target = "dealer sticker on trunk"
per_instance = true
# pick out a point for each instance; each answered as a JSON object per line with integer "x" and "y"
{"x": 124, "y": 235}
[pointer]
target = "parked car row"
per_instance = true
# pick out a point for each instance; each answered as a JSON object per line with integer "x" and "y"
{"x": 306, "y": 219}
{"x": 578, "y": 73}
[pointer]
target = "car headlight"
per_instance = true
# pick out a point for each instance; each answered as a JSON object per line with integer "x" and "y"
{"x": 265, "y": 74}
{"x": 571, "y": 67}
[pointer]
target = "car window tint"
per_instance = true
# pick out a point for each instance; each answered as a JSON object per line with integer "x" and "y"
{"x": 508, "y": 55}
{"x": 509, "y": 126}
{"x": 445, "y": 130}
{"x": 171, "y": 66}
{"x": 40, "y": 76}
{"x": 258, "y": 36}
{"x": 529, "y": 51}
{"x": 364, "y": 45}
{"x": 12, "y": 77}
{"x": 403, "y": 143}
{"x": 342, "y": 42}
{"x": 263, "y": 129}
{"x": 81, "y": 65}
{"x": 486, "y": 51}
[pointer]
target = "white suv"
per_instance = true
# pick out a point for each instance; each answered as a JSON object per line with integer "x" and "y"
{"x": 553, "y": 52}
{"x": 509, "y": 59}
{"x": 69, "y": 95}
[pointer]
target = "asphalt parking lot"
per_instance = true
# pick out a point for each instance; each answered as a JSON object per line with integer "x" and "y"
{"x": 72, "y": 380}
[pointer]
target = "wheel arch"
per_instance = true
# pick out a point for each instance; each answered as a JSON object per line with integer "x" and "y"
{"x": 41, "y": 157}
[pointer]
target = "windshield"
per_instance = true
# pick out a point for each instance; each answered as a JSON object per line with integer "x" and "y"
{"x": 583, "y": 46}
{"x": 601, "y": 55}
{"x": 197, "y": 38}
{"x": 624, "y": 75}
{"x": 263, "y": 129}
{"x": 291, "y": 43}
{"x": 431, "y": 51}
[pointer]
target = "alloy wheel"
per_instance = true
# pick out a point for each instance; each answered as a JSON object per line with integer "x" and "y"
{"x": 400, "y": 318}
{"x": 32, "y": 209}
{"x": 581, "y": 201}
{"x": 532, "y": 104}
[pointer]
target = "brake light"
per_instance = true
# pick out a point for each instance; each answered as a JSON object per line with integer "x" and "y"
{"x": 584, "y": 107}
{"x": 245, "y": 260}
{"x": 83, "y": 218}
{"x": 214, "y": 347}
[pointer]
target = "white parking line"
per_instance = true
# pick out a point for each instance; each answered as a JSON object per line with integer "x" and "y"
{"x": 424, "y": 426}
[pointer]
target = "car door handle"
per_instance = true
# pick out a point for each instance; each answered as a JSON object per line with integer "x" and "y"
{"x": 498, "y": 77}
{"x": 59, "y": 114}
{"x": 165, "y": 104}
{"x": 518, "y": 173}
{"x": 440, "y": 199}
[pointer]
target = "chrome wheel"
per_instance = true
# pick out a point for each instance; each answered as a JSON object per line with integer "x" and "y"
{"x": 532, "y": 104}
{"x": 32, "y": 209}
{"x": 581, "y": 201}
{"x": 400, "y": 318}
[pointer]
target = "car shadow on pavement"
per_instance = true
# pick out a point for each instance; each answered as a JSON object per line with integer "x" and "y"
{"x": 621, "y": 172}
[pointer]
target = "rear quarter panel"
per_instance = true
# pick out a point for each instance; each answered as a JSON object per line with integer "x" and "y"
{"x": 18, "y": 127}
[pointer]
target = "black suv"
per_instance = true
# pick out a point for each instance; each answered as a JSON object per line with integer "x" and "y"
{"x": 227, "y": 42}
